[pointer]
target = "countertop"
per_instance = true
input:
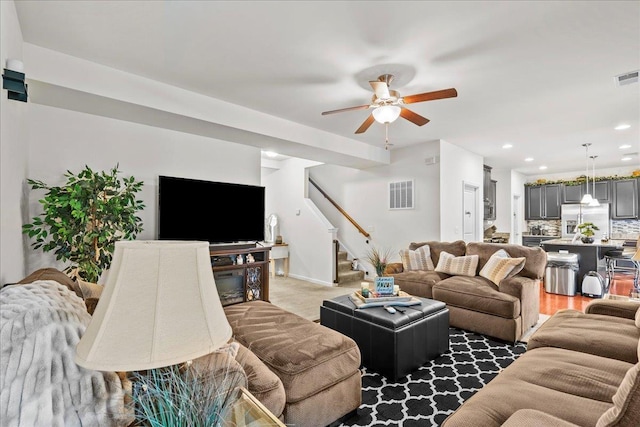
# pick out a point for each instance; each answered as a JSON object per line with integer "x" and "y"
{"x": 546, "y": 236}
{"x": 597, "y": 242}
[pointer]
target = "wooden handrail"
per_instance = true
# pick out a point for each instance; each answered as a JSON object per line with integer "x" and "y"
{"x": 342, "y": 211}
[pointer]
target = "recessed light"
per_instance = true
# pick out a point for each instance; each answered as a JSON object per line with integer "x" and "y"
{"x": 271, "y": 153}
{"x": 507, "y": 146}
{"x": 622, "y": 127}
{"x": 543, "y": 167}
{"x": 625, "y": 146}
{"x": 529, "y": 159}
{"x": 626, "y": 159}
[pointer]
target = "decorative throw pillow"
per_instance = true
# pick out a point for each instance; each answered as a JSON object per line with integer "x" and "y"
{"x": 457, "y": 266}
{"x": 420, "y": 259}
{"x": 90, "y": 290}
{"x": 500, "y": 266}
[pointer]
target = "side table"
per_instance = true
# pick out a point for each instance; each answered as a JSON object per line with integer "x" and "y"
{"x": 249, "y": 412}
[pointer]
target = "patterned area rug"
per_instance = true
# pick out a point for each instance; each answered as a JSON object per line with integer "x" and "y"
{"x": 430, "y": 394}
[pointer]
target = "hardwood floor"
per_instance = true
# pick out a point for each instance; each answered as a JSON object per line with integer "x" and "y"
{"x": 550, "y": 303}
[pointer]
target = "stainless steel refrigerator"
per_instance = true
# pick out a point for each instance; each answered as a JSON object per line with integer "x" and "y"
{"x": 572, "y": 215}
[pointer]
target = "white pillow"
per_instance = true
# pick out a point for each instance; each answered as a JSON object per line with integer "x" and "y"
{"x": 500, "y": 265}
{"x": 457, "y": 266}
{"x": 420, "y": 259}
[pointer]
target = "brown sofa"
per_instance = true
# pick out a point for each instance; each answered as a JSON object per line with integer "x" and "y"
{"x": 505, "y": 311}
{"x": 304, "y": 373}
{"x": 580, "y": 369}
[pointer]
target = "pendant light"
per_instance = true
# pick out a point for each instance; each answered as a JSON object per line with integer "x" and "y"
{"x": 587, "y": 196}
{"x": 594, "y": 201}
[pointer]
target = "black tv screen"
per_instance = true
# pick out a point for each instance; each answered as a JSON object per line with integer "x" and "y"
{"x": 217, "y": 212}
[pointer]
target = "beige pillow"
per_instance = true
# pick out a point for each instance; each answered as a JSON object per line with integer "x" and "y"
{"x": 90, "y": 290}
{"x": 420, "y": 259}
{"x": 500, "y": 266}
{"x": 457, "y": 266}
{"x": 626, "y": 403}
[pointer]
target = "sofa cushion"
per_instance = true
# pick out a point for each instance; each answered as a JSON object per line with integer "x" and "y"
{"x": 534, "y": 266}
{"x": 53, "y": 274}
{"x": 306, "y": 356}
{"x": 626, "y": 402}
{"x": 500, "y": 266}
{"x": 573, "y": 386}
{"x": 457, "y": 265}
{"x": 457, "y": 248}
{"x": 418, "y": 283}
{"x": 477, "y": 294}
{"x": 262, "y": 382}
{"x": 606, "y": 336}
{"x": 420, "y": 259}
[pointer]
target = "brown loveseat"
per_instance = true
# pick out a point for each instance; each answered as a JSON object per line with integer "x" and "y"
{"x": 304, "y": 373}
{"x": 505, "y": 310}
{"x": 580, "y": 369}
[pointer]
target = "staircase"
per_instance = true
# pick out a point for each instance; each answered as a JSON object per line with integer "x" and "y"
{"x": 345, "y": 273}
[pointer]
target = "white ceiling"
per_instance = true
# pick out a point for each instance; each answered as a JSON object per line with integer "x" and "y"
{"x": 537, "y": 75}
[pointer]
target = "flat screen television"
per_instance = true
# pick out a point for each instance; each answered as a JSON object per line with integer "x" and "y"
{"x": 217, "y": 212}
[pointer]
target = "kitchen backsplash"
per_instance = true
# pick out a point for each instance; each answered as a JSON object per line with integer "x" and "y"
{"x": 547, "y": 227}
{"x": 625, "y": 228}
{"x": 620, "y": 228}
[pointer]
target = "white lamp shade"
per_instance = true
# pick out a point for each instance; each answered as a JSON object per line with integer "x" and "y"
{"x": 586, "y": 199}
{"x": 159, "y": 307}
{"x": 593, "y": 202}
{"x": 386, "y": 113}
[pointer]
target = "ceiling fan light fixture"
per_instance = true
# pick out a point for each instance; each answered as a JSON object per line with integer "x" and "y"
{"x": 386, "y": 113}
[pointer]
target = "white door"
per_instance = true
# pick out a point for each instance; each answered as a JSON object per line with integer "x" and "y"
{"x": 470, "y": 214}
{"x": 516, "y": 224}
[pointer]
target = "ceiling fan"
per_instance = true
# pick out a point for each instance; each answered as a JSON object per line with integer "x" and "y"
{"x": 388, "y": 105}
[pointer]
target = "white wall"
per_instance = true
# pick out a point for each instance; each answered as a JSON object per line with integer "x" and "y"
{"x": 13, "y": 155}
{"x": 62, "y": 139}
{"x": 309, "y": 238}
{"x": 364, "y": 195}
{"x": 458, "y": 166}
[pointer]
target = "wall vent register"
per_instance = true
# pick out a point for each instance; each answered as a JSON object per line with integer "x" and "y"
{"x": 401, "y": 195}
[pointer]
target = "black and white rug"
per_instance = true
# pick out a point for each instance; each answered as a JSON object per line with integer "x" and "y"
{"x": 430, "y": 394}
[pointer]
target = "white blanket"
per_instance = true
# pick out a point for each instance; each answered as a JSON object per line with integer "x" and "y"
{"x": 40, "y": 384}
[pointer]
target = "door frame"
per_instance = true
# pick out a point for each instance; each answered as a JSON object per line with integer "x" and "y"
{"x": 516, "y": 219}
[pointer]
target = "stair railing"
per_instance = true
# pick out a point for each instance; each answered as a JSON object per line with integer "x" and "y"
{"x": 336, "y": 249}
{"x": 342, "y": 211}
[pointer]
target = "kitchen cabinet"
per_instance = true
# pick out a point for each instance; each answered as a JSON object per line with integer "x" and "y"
{"x": 574, "y": 193}
{"x": 489, "y": 190}
{"x": 542, "y": 201}
{"x": 625, "y": 199}
{"x": 535, "y": 241}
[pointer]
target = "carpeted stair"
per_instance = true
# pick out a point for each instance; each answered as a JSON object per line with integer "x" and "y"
{"x": 345, "y": 273}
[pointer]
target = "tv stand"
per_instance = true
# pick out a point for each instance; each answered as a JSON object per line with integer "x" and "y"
{"x": 232, "y": 246}
{"x": 240, "y": 282}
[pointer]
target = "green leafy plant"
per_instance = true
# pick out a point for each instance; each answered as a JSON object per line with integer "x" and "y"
{"x": 587, "y": 229}
{"x": 82, "y": 219}
{"x": 378, "y": 258}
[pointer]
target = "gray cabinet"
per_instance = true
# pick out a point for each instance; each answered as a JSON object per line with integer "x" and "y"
{"x": 542, "y": 201}
{"x": 534, "y": 241}
{"x": 625, "y": 199}
{"x": 574, "y": 193}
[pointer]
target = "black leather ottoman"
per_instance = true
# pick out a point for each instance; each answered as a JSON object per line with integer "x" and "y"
{"x": 393, "y": 345}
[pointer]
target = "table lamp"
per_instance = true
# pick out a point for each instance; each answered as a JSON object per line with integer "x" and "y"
{"x": 159, "y": 307}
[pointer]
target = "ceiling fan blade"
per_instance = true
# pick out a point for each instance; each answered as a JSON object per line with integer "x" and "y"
{"x": 430, "y": 96}
{"x": 381, "y": 89}
{"x": 364, "y": 126}
{"x": 342, "y": 110}
{"x": 413, "y": 117}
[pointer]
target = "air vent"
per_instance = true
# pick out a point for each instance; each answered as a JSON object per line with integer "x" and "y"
{"x": 401, "y": 195}
{"x": 627, "y": 78}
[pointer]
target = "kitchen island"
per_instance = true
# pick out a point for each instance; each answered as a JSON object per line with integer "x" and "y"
{"x": 590, "y": 255}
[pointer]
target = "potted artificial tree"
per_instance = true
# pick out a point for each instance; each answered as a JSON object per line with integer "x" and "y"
{"x": 587, "y": 231}
{"x": 82, "y": 219}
